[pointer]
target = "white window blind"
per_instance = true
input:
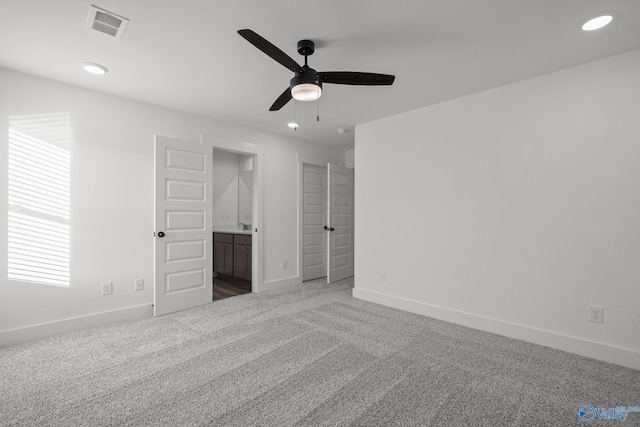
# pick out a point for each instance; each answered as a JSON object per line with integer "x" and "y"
{"x": 39, "y": 181}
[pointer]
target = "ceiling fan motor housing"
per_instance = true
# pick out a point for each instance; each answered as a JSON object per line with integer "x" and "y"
{"x": 306, "y": 76}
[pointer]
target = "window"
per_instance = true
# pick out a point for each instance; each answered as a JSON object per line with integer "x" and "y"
{"x": 39, "y": 230}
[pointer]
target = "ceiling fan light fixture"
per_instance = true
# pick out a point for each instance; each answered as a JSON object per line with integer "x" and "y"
{"x": 306, "y": 85}
{"x": 306, "y": 92}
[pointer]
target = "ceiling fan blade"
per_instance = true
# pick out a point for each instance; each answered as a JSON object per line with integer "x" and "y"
{"x": 356, "y": 78}
{"x": 282, "y": 100}
{"x": 271, "y": 50}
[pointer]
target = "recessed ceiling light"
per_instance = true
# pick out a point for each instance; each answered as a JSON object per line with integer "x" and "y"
{"x": 94, "y": 68}
{"x": 603, "y": 18}
{"x": 293, "y": 125}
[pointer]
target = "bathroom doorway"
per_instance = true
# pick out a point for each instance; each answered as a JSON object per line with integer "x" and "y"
{"x": 232, "y": 223}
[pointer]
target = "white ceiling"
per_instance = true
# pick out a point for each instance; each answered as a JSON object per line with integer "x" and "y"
{"x": 187, "y": 54}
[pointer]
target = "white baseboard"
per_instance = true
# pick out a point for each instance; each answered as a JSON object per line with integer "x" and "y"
{"x": 28, "y": 333}
{"x": 289, "y": 282}
{"x": 595, "y": 350}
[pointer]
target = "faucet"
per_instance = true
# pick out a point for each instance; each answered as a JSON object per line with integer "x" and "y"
{"x": 245, "y": 227}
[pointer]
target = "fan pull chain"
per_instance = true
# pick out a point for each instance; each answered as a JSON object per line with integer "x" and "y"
{"x": 317, "y": 109}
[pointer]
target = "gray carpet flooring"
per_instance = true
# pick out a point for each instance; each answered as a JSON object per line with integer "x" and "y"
{"x": 311, "y": 356}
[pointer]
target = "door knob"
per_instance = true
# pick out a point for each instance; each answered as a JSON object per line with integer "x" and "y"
{"x": 326, "y": 228}
{"x": 161, "y": 234}
{"x": 331, "y": 229}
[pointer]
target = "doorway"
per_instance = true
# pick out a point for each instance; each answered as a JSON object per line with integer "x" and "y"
{"x": 232, "y": 222}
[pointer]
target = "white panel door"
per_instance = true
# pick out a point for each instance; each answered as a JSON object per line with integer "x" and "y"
{"x": 314, "y": 219}
{"x": 183, "y": 225}
{"x": 340, "y": 242}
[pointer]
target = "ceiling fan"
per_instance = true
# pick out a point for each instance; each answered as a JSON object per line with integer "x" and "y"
{"x": 306, "y": 85}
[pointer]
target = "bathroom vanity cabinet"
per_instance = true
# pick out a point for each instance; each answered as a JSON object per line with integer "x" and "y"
{"x": 232, "y": 256}
{"x": 242, "y": 257}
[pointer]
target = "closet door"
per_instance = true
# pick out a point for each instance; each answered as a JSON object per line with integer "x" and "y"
{"x": 340, "y": 228}
{"x": 314, "y": 218}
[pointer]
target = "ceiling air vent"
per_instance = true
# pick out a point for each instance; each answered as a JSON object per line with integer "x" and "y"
{"x": 106, "y": 22}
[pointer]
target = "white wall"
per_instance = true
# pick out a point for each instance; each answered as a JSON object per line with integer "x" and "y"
{"x": 349, "y": 158}
{"x": 511, "y": 210}
{"x": 112, "y": 200}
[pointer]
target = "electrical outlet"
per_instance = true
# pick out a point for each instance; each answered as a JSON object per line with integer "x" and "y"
{"x": 139, "y": 284}
{"x": 383, "y": 276}
{"x": 284, "y": 264}
{"x": 107, "y": 288}
{"x": 596, "y": 314}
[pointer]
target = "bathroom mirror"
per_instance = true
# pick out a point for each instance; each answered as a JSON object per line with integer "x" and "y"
{"x": 245, "y": 196}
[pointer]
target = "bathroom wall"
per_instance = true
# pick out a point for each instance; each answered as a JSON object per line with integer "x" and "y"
{"x": 227, "y": 167}
{"x": 245, "y": 197}
{"x": 225, "y": 188}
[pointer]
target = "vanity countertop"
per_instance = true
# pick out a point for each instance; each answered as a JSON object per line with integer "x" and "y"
{"x": 231, "y": 230}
